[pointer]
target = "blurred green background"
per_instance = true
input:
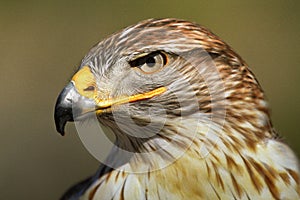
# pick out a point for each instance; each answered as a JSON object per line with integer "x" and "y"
{"x": 42, "y": 43}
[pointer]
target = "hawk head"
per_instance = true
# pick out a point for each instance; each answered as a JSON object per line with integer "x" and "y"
{"x": 165, "y": 79}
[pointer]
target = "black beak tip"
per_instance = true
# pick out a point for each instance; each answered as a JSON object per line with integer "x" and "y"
{"x": 62, "y": 116}
{"x": 60, "y": 127}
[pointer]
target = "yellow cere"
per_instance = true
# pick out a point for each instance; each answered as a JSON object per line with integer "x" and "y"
{"x": 84, "y": 82}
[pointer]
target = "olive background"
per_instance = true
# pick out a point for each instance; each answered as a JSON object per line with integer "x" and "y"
{"x": 42, "y": 43}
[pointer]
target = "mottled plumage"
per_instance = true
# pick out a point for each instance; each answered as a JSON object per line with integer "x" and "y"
{"x": 209, "y": 130}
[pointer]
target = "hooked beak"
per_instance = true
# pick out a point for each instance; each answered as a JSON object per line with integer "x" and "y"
{"x": 63, "y": 108}
{"x": 75, "y": 103}
{"x": 69, "y": 105}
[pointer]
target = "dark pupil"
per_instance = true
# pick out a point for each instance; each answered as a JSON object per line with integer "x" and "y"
{"x": 150, "y": 62}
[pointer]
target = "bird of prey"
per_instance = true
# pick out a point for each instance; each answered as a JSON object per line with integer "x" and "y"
{"x": 188, "y": 112}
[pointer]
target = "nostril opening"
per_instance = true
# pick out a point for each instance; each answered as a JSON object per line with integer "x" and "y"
{"x": 90, "y": 88}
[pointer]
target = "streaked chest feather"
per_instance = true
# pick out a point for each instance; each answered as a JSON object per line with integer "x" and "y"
{"x": 270, "y": 172}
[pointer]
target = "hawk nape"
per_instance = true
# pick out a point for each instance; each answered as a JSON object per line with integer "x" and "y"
{"x": 163, "y": 72}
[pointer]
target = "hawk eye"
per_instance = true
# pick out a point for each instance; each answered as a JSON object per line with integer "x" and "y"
{"x": 151, "y": 62}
